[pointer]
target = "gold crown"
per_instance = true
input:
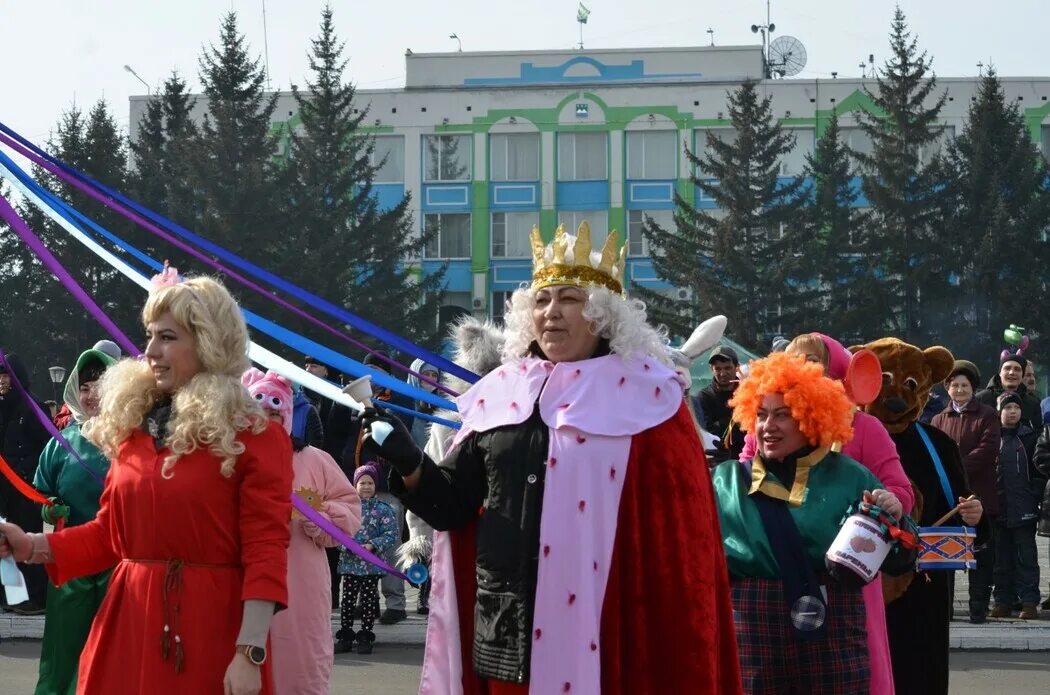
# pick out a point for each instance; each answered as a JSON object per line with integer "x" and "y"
{"x": 567, "y": 260}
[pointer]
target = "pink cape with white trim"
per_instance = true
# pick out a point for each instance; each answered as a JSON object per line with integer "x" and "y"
{"x": 593, "y": 408}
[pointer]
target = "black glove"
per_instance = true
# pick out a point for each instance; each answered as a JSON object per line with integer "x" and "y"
{"x": 395, "y": 442}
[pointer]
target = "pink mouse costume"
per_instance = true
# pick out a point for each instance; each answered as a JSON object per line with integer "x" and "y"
{"x": 301, "y": 637}
{"x": 872, "y": 447}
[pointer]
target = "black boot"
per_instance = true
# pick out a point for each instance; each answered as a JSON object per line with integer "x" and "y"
{"x": 344, "y": 641}
{"x": 365, "y": 638}
{"x": 978, "y": 612}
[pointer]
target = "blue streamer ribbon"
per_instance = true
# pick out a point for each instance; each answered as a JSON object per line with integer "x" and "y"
{"x": 252, "y": 269}
{"x": 289, "y": 338}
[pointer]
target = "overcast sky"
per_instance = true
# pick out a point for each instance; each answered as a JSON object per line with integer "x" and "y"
{"x": 56, "y": 52}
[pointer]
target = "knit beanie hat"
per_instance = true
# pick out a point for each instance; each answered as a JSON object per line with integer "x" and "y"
{"x": 272, "y": 391}
{"x": 368, "y": 469}
{"x": 1008, "y": 397}
{"x": 967, "y": 369}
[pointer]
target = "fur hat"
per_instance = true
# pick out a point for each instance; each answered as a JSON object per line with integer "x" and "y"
{"x": 967, "y": 369}
{"x": 272, "y": 391}
{"x": 368, "y": 469}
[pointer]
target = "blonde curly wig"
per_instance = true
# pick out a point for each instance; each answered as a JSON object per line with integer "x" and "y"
{"x": 213, "y": 407}
{"x": 623, "y": 322}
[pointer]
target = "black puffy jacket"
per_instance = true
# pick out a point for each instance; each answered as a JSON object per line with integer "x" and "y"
{"x": 501, "y": 472}
{"x": 1017, "y": 480}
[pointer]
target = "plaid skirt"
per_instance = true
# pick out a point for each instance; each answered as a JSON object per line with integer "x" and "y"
{"x": 774, "y": 661}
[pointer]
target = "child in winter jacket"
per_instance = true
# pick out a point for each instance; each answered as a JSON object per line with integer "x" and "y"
{"x": 1019, "y": 489}
{"x": 378, "y": 534}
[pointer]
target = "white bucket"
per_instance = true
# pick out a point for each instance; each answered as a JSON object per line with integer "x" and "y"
{"x": 860, "y": 547}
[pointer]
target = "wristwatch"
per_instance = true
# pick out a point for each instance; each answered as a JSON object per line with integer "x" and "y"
{"x": 256, "y": 655}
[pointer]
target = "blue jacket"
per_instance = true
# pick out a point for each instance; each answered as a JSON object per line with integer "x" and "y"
{"x": 378, "y": 527}
{"x": 306, "y": 422}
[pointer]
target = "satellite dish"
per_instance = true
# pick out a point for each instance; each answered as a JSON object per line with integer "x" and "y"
{"x": 787, "y": 56}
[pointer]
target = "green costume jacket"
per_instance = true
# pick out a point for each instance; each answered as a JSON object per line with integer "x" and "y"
{"x": 70, "y": 608}
{"x": 826, "y": 484}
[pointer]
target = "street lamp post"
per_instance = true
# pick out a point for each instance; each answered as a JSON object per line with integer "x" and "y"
{"x": 58, "y": 375}
{"x": 137, "y": 77}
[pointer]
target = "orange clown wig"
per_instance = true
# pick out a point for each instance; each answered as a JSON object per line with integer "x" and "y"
{"x": 819, "y": 404}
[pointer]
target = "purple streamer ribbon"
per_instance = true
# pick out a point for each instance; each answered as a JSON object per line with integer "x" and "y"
{"x": 46, "y": 421}
{"x": 343, "y": 538}
{"x": 204, "y": 258}
{"x": 11, "y": 216}
{"x": 37, "y": 246}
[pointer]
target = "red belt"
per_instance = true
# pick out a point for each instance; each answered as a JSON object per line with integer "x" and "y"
{"x": 173, "y": 601}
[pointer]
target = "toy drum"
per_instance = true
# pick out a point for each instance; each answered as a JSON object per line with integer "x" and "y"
{"x": 860, "y": 547}
{"x": 946, "y": 548}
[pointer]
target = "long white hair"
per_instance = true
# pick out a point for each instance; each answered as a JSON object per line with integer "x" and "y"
{"x": 623, "y": 322}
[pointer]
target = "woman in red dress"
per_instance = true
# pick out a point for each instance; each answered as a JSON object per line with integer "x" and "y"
{"x": 194, "y": 514}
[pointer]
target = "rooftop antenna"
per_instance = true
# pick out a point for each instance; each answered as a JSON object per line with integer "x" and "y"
{"x": 581, "y": 16}
{"x": 767, "y": 30}
{"x": 266, "y": 47}
{"x": 980, "y": 69}
{"x": 711, "y": 33}
{"x": 458, "y": 42}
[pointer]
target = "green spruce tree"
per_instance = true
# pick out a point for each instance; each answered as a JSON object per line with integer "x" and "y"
{"x": 899, "y": 180}
{"x": 29, "y": 292}
{"x": 997, "y": 207}
{"x": 739, "y": 260}
{"x": 836, "y": 256}
{"x": 358, "y": 252}
{"x": 234, "y": 168}
{"x": 161, "y": 173}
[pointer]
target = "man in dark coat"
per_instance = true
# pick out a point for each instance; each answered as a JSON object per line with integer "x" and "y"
{"x": 1042, "y": 464}
{"x": 22, "y": 439}
{"x": 715, "y": 412}
{"x": 974, "y": 427}
{"x": 1010, "y": 378}
{"x": 322, "y": 404}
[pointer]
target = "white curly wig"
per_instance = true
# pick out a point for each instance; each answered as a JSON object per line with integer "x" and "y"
{"x": 623, "y": 322}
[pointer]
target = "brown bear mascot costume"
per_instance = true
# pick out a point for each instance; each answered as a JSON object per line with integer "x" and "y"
{"x": 917, "y": 621}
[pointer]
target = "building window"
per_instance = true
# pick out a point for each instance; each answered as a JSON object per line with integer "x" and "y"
{"x": 451, "y": 237}
{"x": 597, "y": 219}
{"x": 515, "y": 157}
{"x": 388, "y": 155}
{"x": 447, "y": 157}
{"x": 510, "y": 233}
{"x": 498, "y": 307}
{"x": 857, "y": 140}
{"x": 794, "y": 162}
{"x": 583, "y": 156}
{"x": 652, "y": 154}
{"x": 637, "y": 244}
{"x": 942, "y": 136}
